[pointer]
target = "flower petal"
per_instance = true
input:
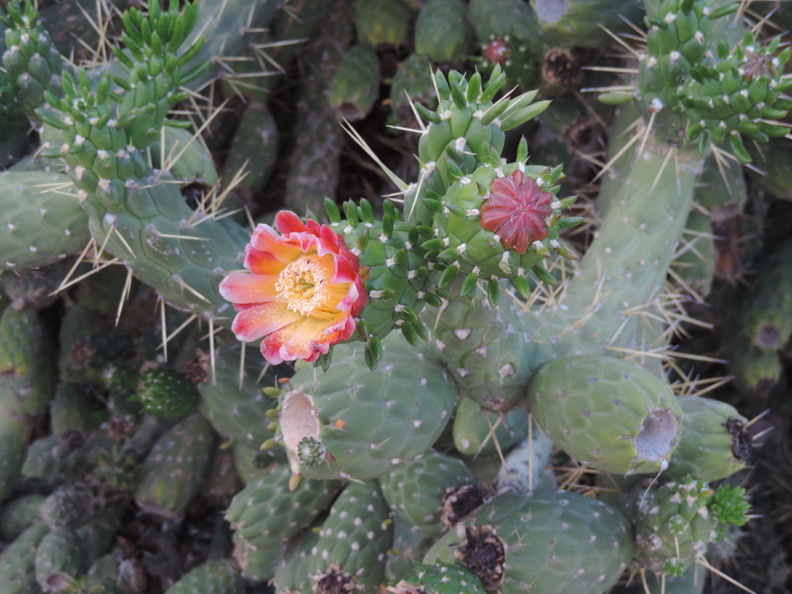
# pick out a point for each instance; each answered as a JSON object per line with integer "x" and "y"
{"x": 262, "y": 262}
{"x": 243, "y": 288}
{"x": 296, "y": 341}
{"x": 287, "y": 223}
{"x": 256, "y": 321}
{"x": 265, "y": 239}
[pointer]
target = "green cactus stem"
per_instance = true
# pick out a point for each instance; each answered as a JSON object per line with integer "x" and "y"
{"x": 442, "y": 31}
{"x": 60, "y": 558}
{"x": 175, "y": 467}
{"x": 440, "y": 578}
{"x": 514, "y": 542}
{"x": 18, "y": 563}
{"x": 585, "y": 23}
{"x": 221, "y": 576}
{"x": 15, "y": 433}
{"x": 354, "y": 87}
{"x": 675, "y": 523}
{"x": 43, "y": 220}
{"x": 27, "y": 378}
{"x": 417, "y": 490}
{"x": 268, "y": 512}
{"x": 353, "y": 542}
{"x": 609, "y": 413}
{"x": 713, "y": 441}
{"x": 479, "y": 432}
{"x": 19, "y": 514}
{"x": 349, "y": 422}
{"x": 314, "y": 161}
{"x": 382, "y": 23}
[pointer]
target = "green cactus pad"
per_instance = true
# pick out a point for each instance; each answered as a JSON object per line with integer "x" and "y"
{"x": 382, "y": 23}
{"x": 42, "y": 220}
{"x": 18, "y": 515}
{"x": 366, "y": 421}
{"x": 440, "y": 578}
{"x": 353, "y": 542}
{"x": 550, "y": 542}
{"x": 713, "y": 441}
{"x": 442, "y": 31}
{"x": 166, "y": 393}
{"x": 15, "y": 432}
{"x": 355, "y": 85}
{"x": 18, "y": 563}
{"x": 291, "y": 575}
{"x": 213, "y": 577}
{"x": 479, "y": 432}
{"x": 673, "y": 525}
{"x": 417, "y": 490}
{"x": 606, "y": 412}
{"x": 231, "y": 396}
{"x": 175, "y": 467}
{"x": 267, "y": 512}
{"x": 256, "y": 565}
{"x": 60, "y": 557}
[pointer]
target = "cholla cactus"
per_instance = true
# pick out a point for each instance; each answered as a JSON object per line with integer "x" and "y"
{"x": 441, "y": 299}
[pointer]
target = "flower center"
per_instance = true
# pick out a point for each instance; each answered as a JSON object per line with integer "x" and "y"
{"x": 301, "y": 285}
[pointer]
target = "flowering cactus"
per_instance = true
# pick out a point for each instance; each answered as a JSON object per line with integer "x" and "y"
{"x": 429, "y": 310}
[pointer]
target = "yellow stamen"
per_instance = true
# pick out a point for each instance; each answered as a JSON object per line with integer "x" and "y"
{"x": 301, "y": 285}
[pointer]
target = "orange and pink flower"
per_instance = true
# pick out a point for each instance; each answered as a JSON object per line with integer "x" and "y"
{"x": 302, "y": 293}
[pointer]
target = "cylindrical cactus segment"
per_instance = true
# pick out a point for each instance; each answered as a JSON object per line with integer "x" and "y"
{"x": 175, "y": 467}
{"x": 291, "y": 575}
{"x": 15, "y": 431}
{"x": 442, "y": 31}
{"x": 353, "y": 542}
{"x": 27, "y": 378}
{"x": 382, "y": 23}
{"x": 525, "y": 468}
{"x": 439, "y": 578}
{"x": 417, "y": 490}
{"x": 220, "y": 576}
{"x": 19, "y": 514}
{"x": 232, "y": 397}
{"x": 713, "y": 441}
{"x": 609, "y": 413}
{"x": 60, "y": 558}
{"x": 133, "y": 211}
{"x": 485, "y": 347}
{"x": 479, "y": 432}
{"x": 43, "y": 220}
{"x": 18, "y": 563}
{"x": 256, "y": 565}
{"x": 33, "y": 63}
{"x": 349, "y": 422}
{"x": 550, "y": 542}
{"x": 354, "y": 87}
{"x": 585, "y": 23}
{"x": 673, "y": 526}
{"x": 267, "y": 512}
